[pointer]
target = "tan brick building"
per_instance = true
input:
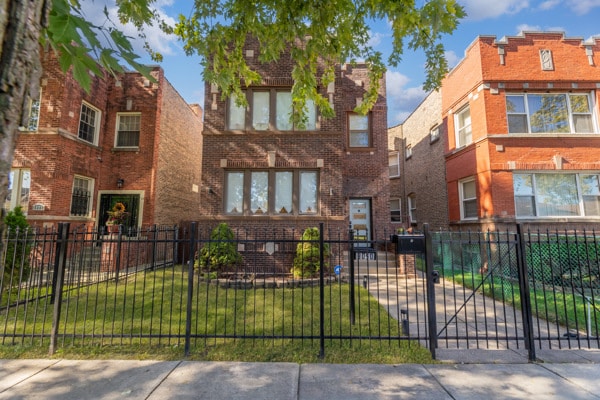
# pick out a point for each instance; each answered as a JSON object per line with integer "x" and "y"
{"x": 129, "y": 140}
{"x": 523, "y": 134}
{"x": 417, "y": 168}
{"x": 259, "y": 171}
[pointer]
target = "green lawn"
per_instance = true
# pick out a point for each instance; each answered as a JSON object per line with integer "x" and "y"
{"x": 143, "y": 316}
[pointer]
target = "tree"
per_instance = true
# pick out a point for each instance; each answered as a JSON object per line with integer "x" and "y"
{"x": 334, "y": 31}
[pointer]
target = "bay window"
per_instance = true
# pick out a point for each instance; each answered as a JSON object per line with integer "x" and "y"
{"x": 462, "y": 122}
{"x": 271, "y": 192}
{"x": 549, "y": 113}
{"x": 556, "y": 194}
{"x": 19, "y": 186}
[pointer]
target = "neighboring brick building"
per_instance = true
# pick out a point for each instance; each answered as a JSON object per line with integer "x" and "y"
{"x": 129, "y": 140}
{"x": 417, "y": 185}
{"x": 523, "y": 134}
{"x": 260, "y": 172}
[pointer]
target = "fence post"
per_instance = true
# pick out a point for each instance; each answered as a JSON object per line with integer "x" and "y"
{"x": 431, "y": 306}
{"x": 58, "y": 282}
{"x": 351, "y": 261}
{"x": 118, "y": 253}
{"x": 190, "y": 291}
{"x": 525, "y": 295}
{"x": 321, "y": 292}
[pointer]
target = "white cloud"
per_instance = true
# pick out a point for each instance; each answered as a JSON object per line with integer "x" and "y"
{"x": 528, "y": 28}
{"x": 583, "y": 6}
{"x": 375, "y": 38}
{"x": 401, "y": 100}
{"x": 451, "y": 58}
{"x": 158, "y": 40}
{"x": 478, "y": 9}
{"x": 548, "y": 5}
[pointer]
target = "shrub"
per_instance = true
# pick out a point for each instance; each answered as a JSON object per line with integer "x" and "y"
{"x": 220, "y": 253}
{"x": 16, "y": 260}
{"x": 307, "y": 260}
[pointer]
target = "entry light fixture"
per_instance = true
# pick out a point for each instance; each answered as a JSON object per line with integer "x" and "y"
{"x": 120, "y": 182}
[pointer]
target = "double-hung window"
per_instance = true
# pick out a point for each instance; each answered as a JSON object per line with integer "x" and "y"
{"x": 128, "y": 130}
{"x": 549, "y": 113}
{"x": 556, "y": 194}
{"x": 269, "y": 109}
{"x": 434, "y": 134}
{"x": 81, "y": 196}
{"x": 19, "y": 186}
{"x": 412, "y": 209}
{"x": 462, "y": 122}
{"x": 394, "y": 164}
{"x": 359, "y": 131}
{"x": 271, "y": 192}
{"x": 395, "y": 210}
{"x": 89, "y": 123}
{"x": 468, "y": 199}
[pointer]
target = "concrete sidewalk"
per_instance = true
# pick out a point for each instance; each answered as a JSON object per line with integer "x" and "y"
{"x": 117, "y": 379}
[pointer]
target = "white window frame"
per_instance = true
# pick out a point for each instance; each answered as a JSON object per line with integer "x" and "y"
{"x": 90, "y": 191}
{"x": 96, "y": 123}
{"x": 526, "y": 113}
{"x": 463, "y": 199}
{"x": 18, "y": 179}
{"x": 408, "y": 151}
{"x": 396, "y": 213}
{"x": 412, "y": 208}
{"x": 118, "y": 131}
{"x": 580, "y": 200}
{"x": 33, "y": 122}
{"x": 394, "y": 164}
{"x": 352, "y": 132}
{"x": 434, "y": 134}
{"x": 250, "y": 197}
{"x": 463, "y": 133}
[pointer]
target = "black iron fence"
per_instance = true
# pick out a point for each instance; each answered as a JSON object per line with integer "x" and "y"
{"x": 197, "y": 287}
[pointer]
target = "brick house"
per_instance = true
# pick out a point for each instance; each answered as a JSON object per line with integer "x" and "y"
{"x": 129, "y": 140}
{"x": 523, "y": 141}
{"x": 260, "y": 171}
{"x": 417, "y": 168}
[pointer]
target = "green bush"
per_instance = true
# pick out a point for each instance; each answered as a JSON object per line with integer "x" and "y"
{"x": 16, "y": 263}
{"x": 307, "y": 259}
{"x": 220, "y": 253}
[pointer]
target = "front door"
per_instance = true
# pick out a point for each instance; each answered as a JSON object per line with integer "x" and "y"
{"x": 360, "y": 218}
{"x": 131, "y": 202}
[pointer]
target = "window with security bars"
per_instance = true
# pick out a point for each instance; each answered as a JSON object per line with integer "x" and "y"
{"x": 128, "y": 130}
{"x": 89, "y": 122}
{"x": 80, "y": 197}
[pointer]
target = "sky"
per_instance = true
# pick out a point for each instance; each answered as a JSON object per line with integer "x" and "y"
{"x": 499, "y": 18}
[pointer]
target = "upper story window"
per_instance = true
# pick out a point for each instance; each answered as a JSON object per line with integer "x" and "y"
{"x": 395, "y": 210}
{"x": 359, "y": 130}
{"x": 434, "y": 134}
{"x": 128, "y": 130}
{"x": 19, "y": 185}
{"x": 271, "y": 192}
{"x": 394, "y": 164}
{"x": 549, "y": 113}
{"x": 468, "y": 198}
{"x": 462, "y": 123}
{"x": 556, "y": 195}
{"x": 80, "y": 196}
{"x": 269, "y": 109}
{"x": 408, "y": 151}
{"x": 89, "y": 123}
{"x": 34, "y": 114}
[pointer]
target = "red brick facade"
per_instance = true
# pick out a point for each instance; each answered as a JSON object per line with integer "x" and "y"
{"x": 344, "y": 173}
{"x": 162, "y": 172}
{"x": 525, "y": 66}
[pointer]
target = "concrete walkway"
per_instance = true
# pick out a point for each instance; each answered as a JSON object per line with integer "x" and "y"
{"x": 76, "y": 379}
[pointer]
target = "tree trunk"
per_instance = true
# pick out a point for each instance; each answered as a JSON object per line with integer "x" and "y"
{"x": 21, "y": 22}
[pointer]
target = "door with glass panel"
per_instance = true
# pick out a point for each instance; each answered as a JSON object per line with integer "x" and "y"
{"x": 360, "y": 218}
